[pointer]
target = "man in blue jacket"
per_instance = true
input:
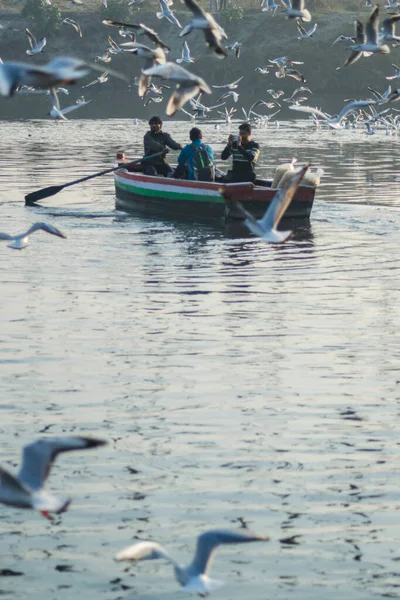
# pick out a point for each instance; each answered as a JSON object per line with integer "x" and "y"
{"x": 186, "y": 158}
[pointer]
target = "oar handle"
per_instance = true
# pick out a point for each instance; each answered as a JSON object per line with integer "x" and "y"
{"x": 121, "y": 166}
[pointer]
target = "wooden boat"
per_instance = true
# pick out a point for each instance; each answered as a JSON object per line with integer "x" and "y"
{"x": 180, "y": 197}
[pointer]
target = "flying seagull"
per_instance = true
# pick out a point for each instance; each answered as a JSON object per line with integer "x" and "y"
{"x": 194, "y": 577}
{"x": 231, "y": 93}
{"x": 334, "y": 122}
{"x": 26, "y": 489}
{"x": 230, "y": 86}
{"x": 388, "y": 29}
{"x": 152, "y": 57}
{"x": 140, "y": 29}
{"x": 367, "y": 39}
{"x": 36, "y": 47}
{"x": 188, "y": 85}
{"x": 103, "y": 78}
{"x": 213, "y": 33}
{"x": 266, "y": 228}
{"x": 20, "y": 241}
{"x": 235, "y": 47}
{"x": 295, "y": 9}
{"x": 304, "y": 33}
{"x": 59, "y": 113}
{"x": 271, "y": 6}
{"x": 59, "y": 71}
{"x": 185, "y": 54}
{"x": 167, "y": 13}
{"x": 114, "y": 48}
{"x": 73, "y": 24}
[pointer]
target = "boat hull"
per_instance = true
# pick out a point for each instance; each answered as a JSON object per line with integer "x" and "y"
{"x": 174, "y": 197}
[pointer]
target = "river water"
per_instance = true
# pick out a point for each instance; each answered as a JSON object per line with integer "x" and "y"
{"x": 236, "y": 382}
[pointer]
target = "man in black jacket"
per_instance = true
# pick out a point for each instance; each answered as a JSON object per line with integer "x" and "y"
{"x": 154, "y": 141}
{"x": 245, "y": 154}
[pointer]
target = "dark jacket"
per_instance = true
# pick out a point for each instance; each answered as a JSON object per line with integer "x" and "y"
{"x": 244, "y": 158}
{"x": 154, "y": 142}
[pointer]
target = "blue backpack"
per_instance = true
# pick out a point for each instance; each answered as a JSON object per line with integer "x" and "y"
{"x": 204, "y": 169}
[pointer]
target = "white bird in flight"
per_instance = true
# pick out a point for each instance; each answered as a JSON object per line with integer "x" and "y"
{"x": 204, "y": 21}
{"x": 188, "y": 85}
{"x": 36, "y": 47}
{"x": 59, "y": 113}
{"x": 266, "y": 228}
{"x": 334, "y": 122}
{"x": 295, "y": 9}
{"x": 60, "y": 70}
{"x": 230, "y": 86}
{"x": 194, "y": 577}
{"x": 271, "y": 6}
{"x": 26, "y": 490}
{"x": 368, "y": 38}
{"x": 167, "y": 13}
{"x": 20, "y": 241}
{"x": 73, "y": 24}
{"x": 185, "y": 54}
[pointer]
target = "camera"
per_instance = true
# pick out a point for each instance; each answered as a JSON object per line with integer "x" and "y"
{"x": 234, "y": 141}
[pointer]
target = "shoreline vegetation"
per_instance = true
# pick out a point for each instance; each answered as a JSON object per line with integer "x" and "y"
{"x": 262, "y": 35}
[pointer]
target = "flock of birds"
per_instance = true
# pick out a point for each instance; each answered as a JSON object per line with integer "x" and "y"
{"x": 55, "y": 77}
{"x": 26, "y": 491}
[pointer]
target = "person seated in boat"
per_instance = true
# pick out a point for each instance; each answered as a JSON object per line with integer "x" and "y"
{"x": 196, "y": 160}
{"x": 121, "y": 160}
{"x": 154, "y": 141}
{"x": 245, "y": 153}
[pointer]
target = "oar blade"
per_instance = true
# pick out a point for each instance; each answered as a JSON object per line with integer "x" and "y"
{"x": 34, "y": 197}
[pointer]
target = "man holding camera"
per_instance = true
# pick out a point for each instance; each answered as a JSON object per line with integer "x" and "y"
{"x": 244, "y": 153}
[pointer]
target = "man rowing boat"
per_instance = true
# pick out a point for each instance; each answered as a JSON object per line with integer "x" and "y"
{"x": 154, "y": 141}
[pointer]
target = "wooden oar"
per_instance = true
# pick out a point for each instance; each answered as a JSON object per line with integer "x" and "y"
{"x": 33, "y": 197}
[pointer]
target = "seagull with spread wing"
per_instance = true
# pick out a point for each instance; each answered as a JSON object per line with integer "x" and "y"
{"x": 230, "y": 86}
{"x": 20, "y": 241}
{"x": 267, "y": 227}
{"x": 186, "y": 57}
{"x": 334, "y": 122}
{"x": 26, "y": 490}
{"x": 272, "y": 6}
{"x": 140, "y": 29}
{"x": 305, "y": 33}
{"x": 367, "y": 39}
{"x": 194, "y": 577}
{"x": 103, "y": 78}
{"x": 167, "y": 13}
{"x": 187, "y": 84}
{"x": 59, "y": 113}
{"x": 235, "y": 47}
{"x": 152, "y": 57}
{"x": 295, "y": 9}
{"x": 60, "y": 70}
{"x": 36, "y": 47}
{"x": 388, "y": 29}
{"x": 73, "y": 24}
{"x": 204, "y": 21}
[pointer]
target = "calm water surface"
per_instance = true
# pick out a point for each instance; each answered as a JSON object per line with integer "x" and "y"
{"x": 236, "y": 382}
